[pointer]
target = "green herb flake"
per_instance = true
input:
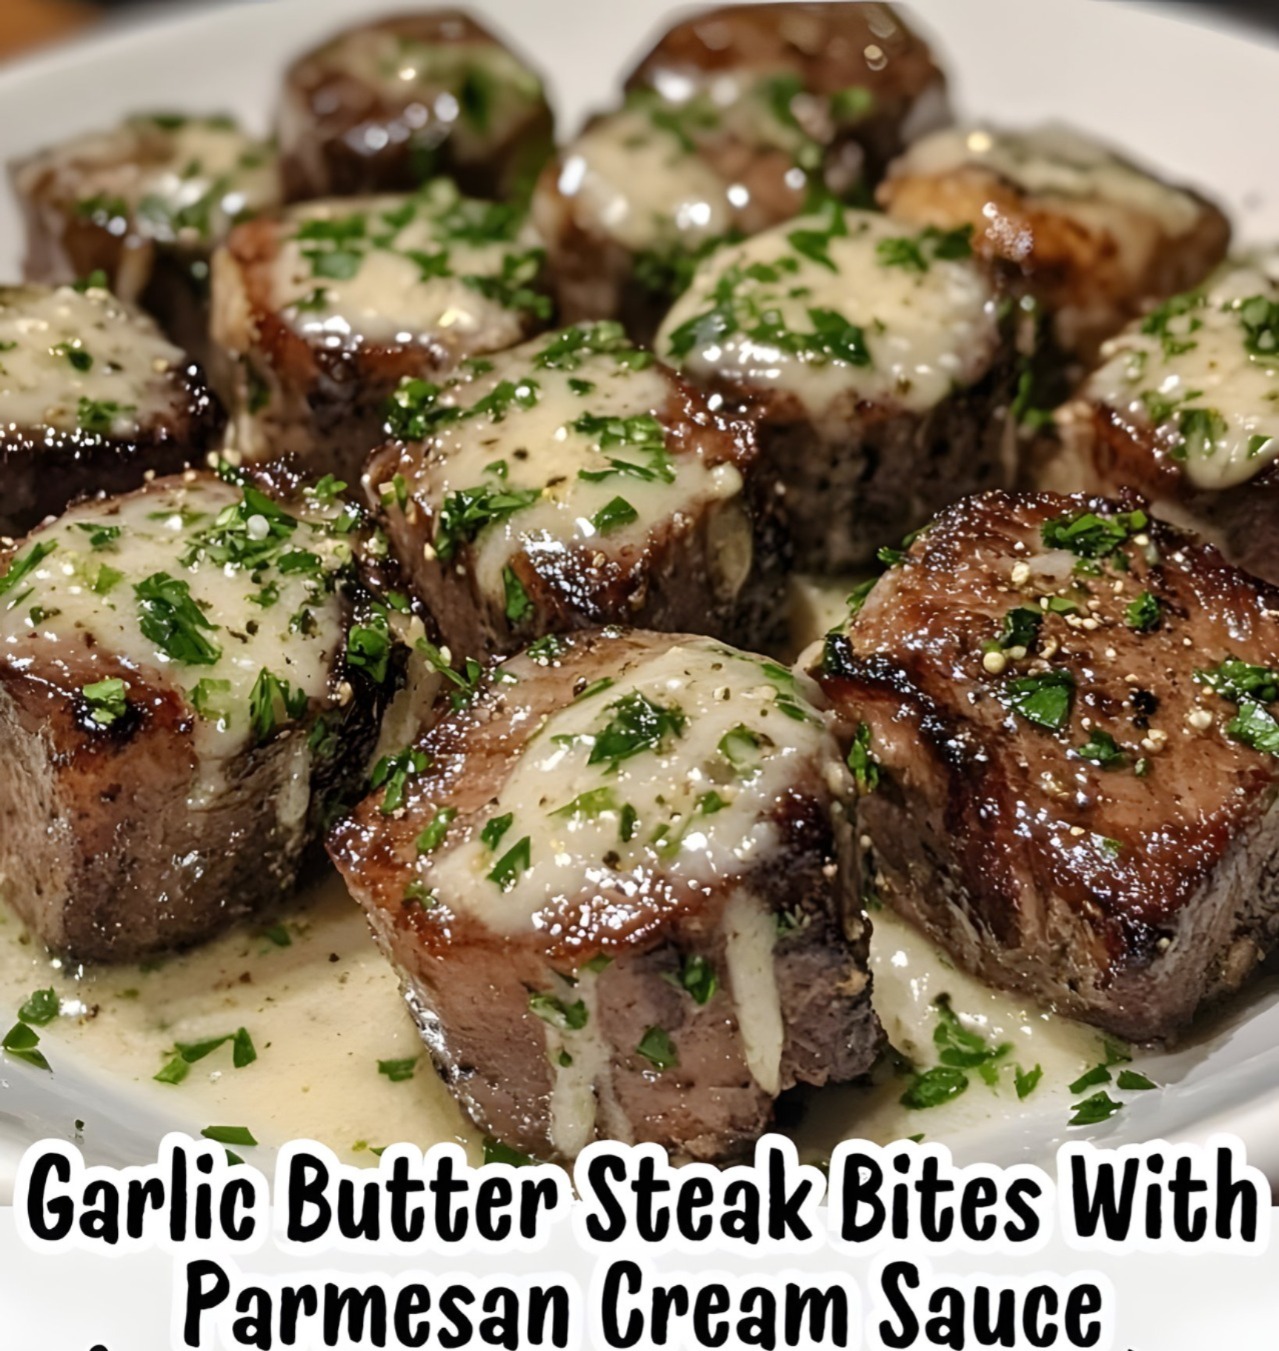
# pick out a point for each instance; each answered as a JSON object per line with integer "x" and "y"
{"x": 518, "y": 859}
{"x": 1143, "y": 614}
{"x": 1130, "y": 1081}
{"x": 229, "y": 1135}
{"x": 106, "y": 700}
{"x": 565, "y": 1017}
{"x": 397, "y": 1071}
{"x": 1026, "y": 1081}
{"x": 171, "y": 619}
{"x": 432, "y": 836}
{"x": 1100, "y": 749}
{"x": 1100, "y": 1107}
{"x": 658, "y": 1049}
{"x": 1045, "y": 700}
{"x": 934, "y": 1087}
{"x": 40, "y": 1008}
{"x": 496, "y": 828}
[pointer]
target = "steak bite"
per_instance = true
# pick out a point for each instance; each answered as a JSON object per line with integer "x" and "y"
{"x": 325, "y": 307}
{"x": 734, "y": 120}
{"x": 1185, "y": 408}
{"x": 1063, "y": 711}
{"x": 1085, "y": 234}
{"x": 92, "y": 398}
{"x": 385, "y": 106}
{"x": 186, "y": 685}
{"x": 576, "y": 482}
{"x": 616, "y": 885}
{"x": 145, "y": 204}
{"x": 876, "y": 362}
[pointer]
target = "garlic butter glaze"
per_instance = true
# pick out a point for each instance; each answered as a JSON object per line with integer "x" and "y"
{"x": 392, "y": 269}
{"x": 88, "y": 590}
{"x": 80, "y": 361}
{"x": 836, "y": 305}
{"x": 1079, "y": 173}
{"x": 176, "y": 179}
{"x": 1201, "y": 375}
{"x": 561, "y": 438}
{"x": 668, "y": 774}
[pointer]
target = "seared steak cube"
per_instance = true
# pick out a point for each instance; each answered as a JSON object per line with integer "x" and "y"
{"x": 144, "y": 204}
{"x": 877, "y": 362}
{"x": 325, "y": 307}
{"x": 616, "y": 885}
{"x": 385, "y": 106}
{"x": 1085, "y": 234}
{"x": 1066, "y": 714}
{"x": 92, "y": 398}
{"x": 184, "y": 684}
{"x": 575, "y": 482}
{"x": 730, "y": 123}
{"x": 1185, "y": 408}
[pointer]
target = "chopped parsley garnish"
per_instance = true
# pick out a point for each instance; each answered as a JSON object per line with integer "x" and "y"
{"x": 496, "y": 1152}
{"x": 918, "y": 253}
{"x": 271, "y": 701}
{"x": 465, "y": 682}
{"x": 100, "y": 536}
{"x": 567, "y": 349}
{"x": 433, "y": 835}
{"x": 638, "y": 724}
{"x": 495, "y": 829}
{"x": 368, "y": 646}
{"x": 1100, "y": 1107}
{"x": 614, "y": 515}
{"x": 519, "y": 604}
{"x": 395, "y": 771}
{"x": 1200, "y": 430}
{"x": 98, "y": 416}
{"x": 740, "y": 746}
{"x": 1252, "y": 726}
{"x": 172, "y": 620}
{"x": 565, "y": 1017}
{"x": 1021, "y": 629}
{"x": 397, "y": 1071}
{"x": 1045, "y": 699}
{"x": 1143, "y": 614}
{"x": 465, "y": 513}
{"x": 1162, "y": 323}
{"x": 1130, "y": 1081}
{"x": 518, "y": 859}
{"x": 589, "y": 805}
{"x": 863, "y": 764}
{"x": 658, "y": 1049}
{"x": 24, "y": 565}
{"x": 40, "y": 1007}
{"x": 229, "y": 1135}
{"x": 107, "y": 700}
{"x": 1100, "y": 749}
{"x": 22, "y": 1042}
{"x": 1026, "y": 1081}
{"x": 75, "y": 354}
{"x": 1237, "y": 681}
{"x": 1091, "y": 536}
{"x": 1259, "y": 316}
{"x": 642, "y": 437}
{"x": 696, "y": 976}
{"x": 186, "y": 1054}
{"x": 934, "y": 1087}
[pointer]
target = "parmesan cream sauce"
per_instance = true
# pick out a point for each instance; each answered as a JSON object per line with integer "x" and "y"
{"x": 634, "y": 182}
{"x": 927, "y": 333}
{"x": 1211, "y": 402}
{"x": 534, "y": 439}
{"x": 428, "y": 82}
{"x": 701, "y": 808}
{"x": 47, "y": 339}
{"x": 1053, "y": 161}
{"x": 186, "y": 178}
{"x": 391, "y": 296}
{"x": 87, "y": 624}
{"x": 324, "y": 1010}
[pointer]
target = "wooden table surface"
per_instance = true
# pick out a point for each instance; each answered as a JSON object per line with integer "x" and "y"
{"x": 25, "y": 24}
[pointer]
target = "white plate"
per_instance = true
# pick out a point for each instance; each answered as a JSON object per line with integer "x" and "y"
{"x": 1197, "y": 103}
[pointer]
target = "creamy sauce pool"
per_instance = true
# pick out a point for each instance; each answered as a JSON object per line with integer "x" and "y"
{"x": 320, "y": 1026}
